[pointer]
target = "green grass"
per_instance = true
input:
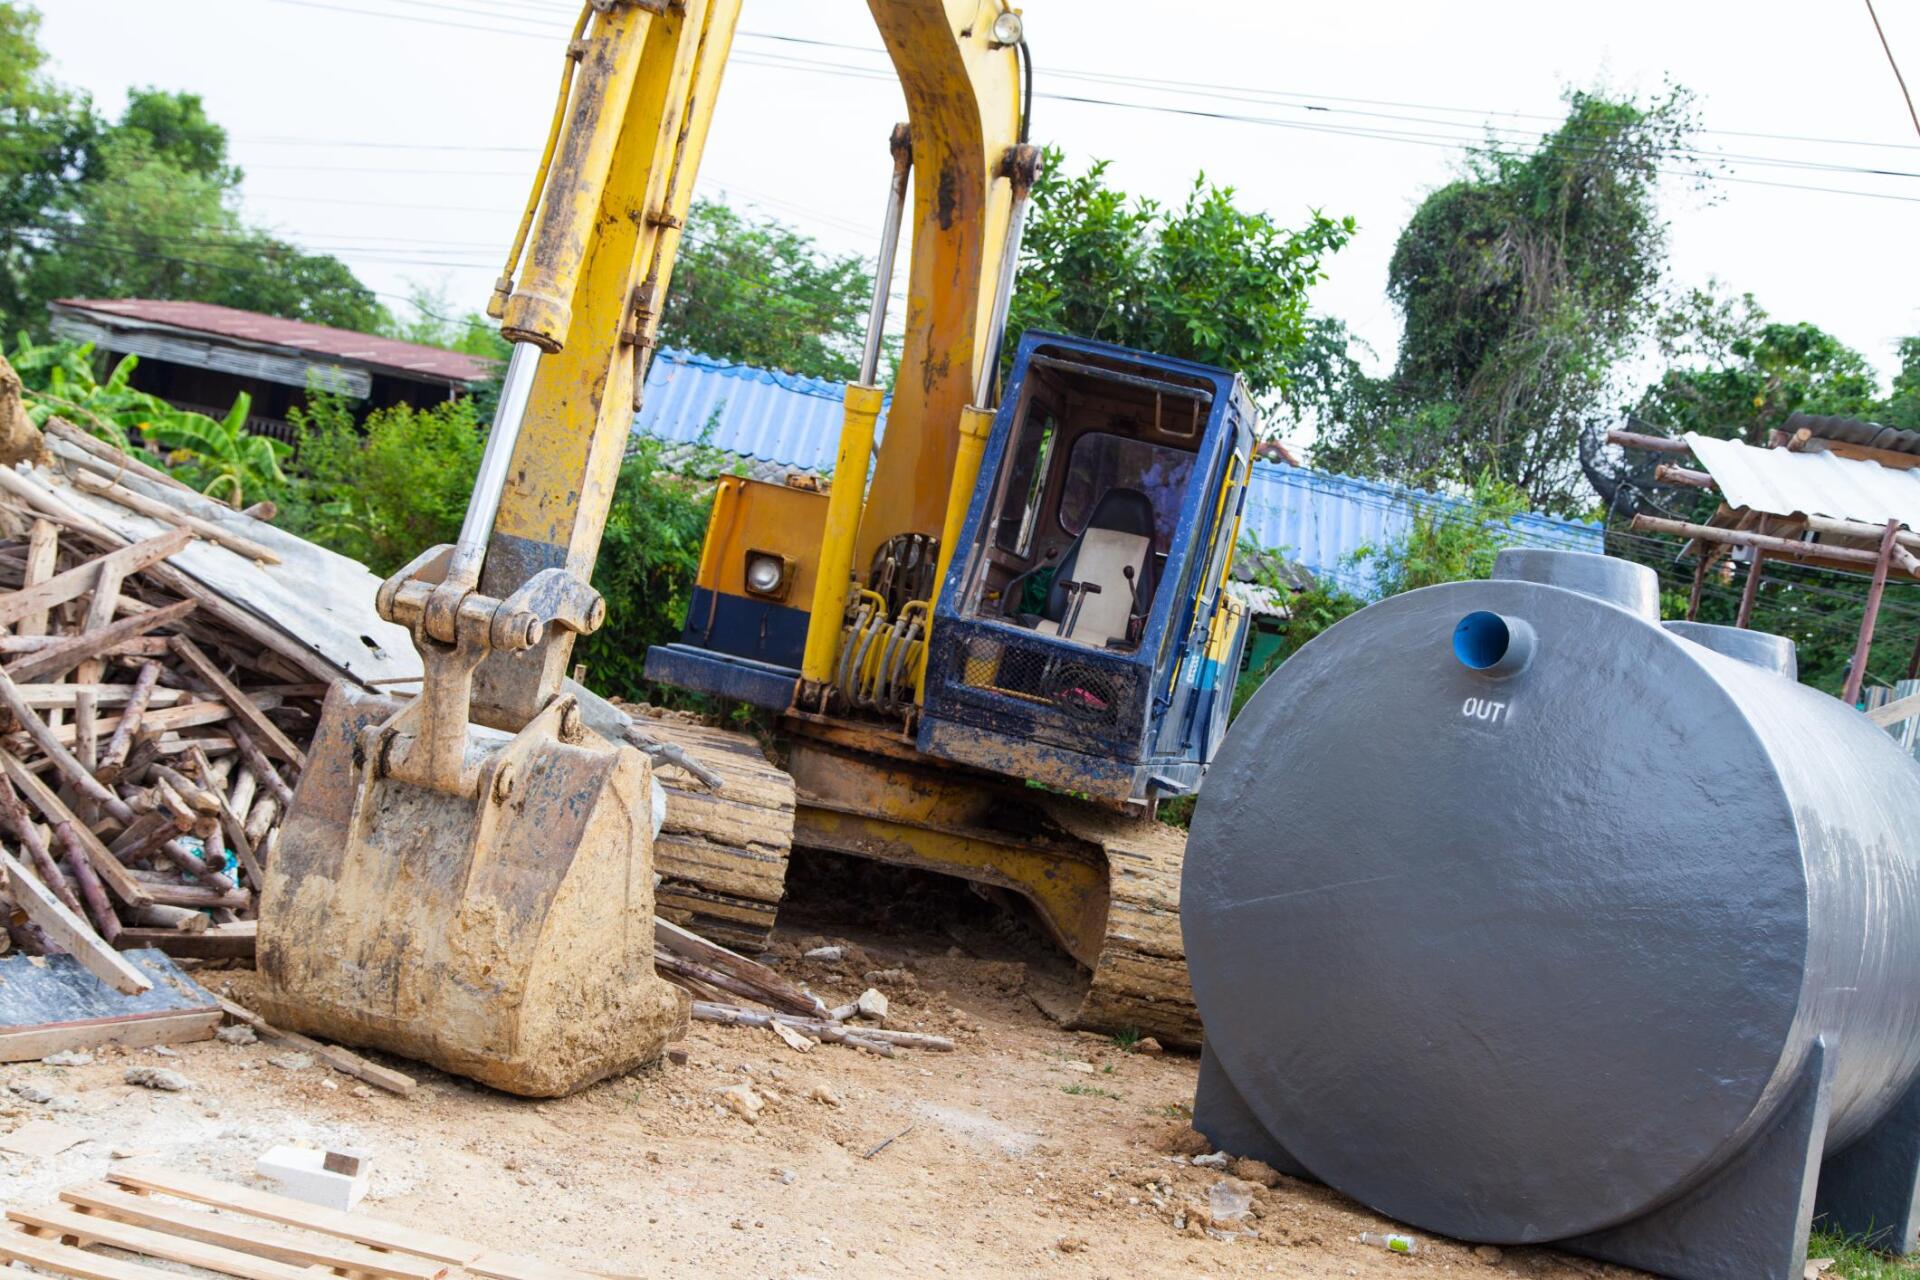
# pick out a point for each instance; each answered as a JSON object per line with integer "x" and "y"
{"x": 1088, "y": 1091}
{"x": 1852, "y": 1261}
{"x": 1125, "y": 1038}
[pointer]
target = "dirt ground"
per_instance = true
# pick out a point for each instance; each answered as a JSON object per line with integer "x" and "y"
{"x": 1029, "y": 1147}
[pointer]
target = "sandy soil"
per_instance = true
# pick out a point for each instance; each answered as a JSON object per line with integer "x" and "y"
{"x": 1028, "y": 1148}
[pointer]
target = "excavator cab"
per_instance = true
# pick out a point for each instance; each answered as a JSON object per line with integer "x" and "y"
{"x": 1081, "y": 633}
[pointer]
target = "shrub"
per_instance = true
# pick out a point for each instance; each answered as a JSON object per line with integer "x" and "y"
{"x": 385, "y": 491}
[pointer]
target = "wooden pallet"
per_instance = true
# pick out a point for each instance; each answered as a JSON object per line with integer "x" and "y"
{"x": 163, "y": 1215}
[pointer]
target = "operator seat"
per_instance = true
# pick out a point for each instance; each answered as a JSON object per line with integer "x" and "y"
{"x": 1118, "y": 536}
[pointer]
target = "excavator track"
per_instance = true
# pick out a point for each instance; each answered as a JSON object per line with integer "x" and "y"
{"x": 1140, "y": 981}
{"x": 722, "y": 853}
{"x": 722, "y": 857}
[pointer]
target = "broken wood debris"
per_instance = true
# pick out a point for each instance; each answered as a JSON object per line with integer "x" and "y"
{"x": 151, "y": 731}
{"x": 711, "y": 972}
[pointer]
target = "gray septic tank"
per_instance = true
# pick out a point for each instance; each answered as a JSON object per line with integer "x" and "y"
{"x": 1521, "y": 917}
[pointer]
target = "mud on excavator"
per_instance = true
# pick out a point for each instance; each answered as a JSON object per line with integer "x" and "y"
{"x": 991, "y": 659}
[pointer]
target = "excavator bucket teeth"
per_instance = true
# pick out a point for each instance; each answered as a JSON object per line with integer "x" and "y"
{"x": 507, "y": 937}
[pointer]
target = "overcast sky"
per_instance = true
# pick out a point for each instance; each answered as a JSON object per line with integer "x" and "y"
{"x": 391, "y": 133}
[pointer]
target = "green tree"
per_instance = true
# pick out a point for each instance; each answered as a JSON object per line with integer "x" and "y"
{"x": 1521, "y": 286}
{"x": 1902, "y": 407}
{"x": 759, "y": 292}
{"x": 144, "y": 206}
{"x": 1204, "y": 279}
{"x": 1738, "y": 374}
{"x": 47, "y": 137}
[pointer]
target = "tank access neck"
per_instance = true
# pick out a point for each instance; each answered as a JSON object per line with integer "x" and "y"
{"x": 1763, "y": 649}
{"x": 1633, "y": 587}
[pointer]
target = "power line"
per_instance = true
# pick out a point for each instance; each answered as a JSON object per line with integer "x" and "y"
{"x": 1895, "y": 64}
{"x": 1452, "y": 141}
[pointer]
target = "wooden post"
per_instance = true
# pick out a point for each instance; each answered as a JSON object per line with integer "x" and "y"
{"x": 1751, "y": 591}
{"x": 1699, "y": 581}
{"x": 1862, "y": 647}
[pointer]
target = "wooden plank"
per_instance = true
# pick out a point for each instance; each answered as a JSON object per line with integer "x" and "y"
{"x": 166, "y": 514}
{"x": 42, "y": 696}
{"x": 268, "y": 1242}
{"x": 43, "y": 554}
{"x": 360, "y": 1228}
{"x": 65, "y": 1260}
{"x": 73, "y": 650}
{"x": 342, "y": 1060}
{"x": 243, "y": 707}
{"x": 143, "y": 647}
{"x": 70, "y": 931}
{"x": 357, "y": 1227}
{"x": 89, "y": 1229}
{"x": 77, "y": 581}
{"x": 48, "y": 1003}
{"x": 105, "y": 455}
{"x": 30, "y": 1044}
{"x": 100, "y": 610}
{"x": 231, "y": 941}
{"x": 111, "y": 871}
{"x": 184, "y": 715}
{"x": 1891, "y": 713}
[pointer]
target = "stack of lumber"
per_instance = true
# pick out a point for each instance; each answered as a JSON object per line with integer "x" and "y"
{"x": 152, "y": 725}
{"x": 153, "y": 1223}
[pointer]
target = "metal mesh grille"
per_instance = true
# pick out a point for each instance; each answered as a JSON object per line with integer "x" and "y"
{"x": 1044, "y": 676}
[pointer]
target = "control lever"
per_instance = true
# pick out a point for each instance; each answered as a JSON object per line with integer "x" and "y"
{"x": 1077, "y": 593}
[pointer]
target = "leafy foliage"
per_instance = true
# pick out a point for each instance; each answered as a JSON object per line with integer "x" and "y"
{"x": 220, "y": 456}
{"x": 386, "y": 490}
{"x": 1521, "y": 286}
{"x": 217, "y": 456}
{"x": 759, "y": 292}
{"x": 647, "y": 566}
{"x": 1206, "y": 279}
{"x": 1739, "y": 374}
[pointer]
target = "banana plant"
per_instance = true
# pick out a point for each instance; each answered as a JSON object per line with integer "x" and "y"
{"x": 220, "y": 456}
{"x": 229, "y": 461}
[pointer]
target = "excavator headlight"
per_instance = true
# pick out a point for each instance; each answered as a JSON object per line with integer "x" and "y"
{"x": 1008, "y": 29}
{"x": 768, "y": 575}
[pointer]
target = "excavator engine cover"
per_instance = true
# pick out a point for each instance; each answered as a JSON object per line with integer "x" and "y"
{"x": 506, "y": 937}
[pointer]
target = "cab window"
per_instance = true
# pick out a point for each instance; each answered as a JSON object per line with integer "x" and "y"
{"x": 1102, "y": 462}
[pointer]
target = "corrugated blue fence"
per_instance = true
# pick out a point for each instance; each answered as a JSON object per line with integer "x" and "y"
{"x": 1321, "y": 520}
{"x": 1313, "y": 517}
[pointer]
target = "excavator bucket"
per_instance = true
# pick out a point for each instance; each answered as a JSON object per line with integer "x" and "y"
{"x": 507, "y": 937}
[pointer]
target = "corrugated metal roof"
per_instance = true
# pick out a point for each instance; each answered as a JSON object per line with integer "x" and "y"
{"x": 1322, "y": 520}
{"x": 389, "y": 354}
{"x": 785, "y": 420}
{"x": 1854, "y": 431}
{"x": 1785, "y": 482}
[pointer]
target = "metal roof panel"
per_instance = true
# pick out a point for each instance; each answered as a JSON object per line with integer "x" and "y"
{"x": 1785, "y": 482}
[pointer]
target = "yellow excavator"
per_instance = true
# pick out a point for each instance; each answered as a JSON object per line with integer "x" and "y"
{"x": 993, "y": 644}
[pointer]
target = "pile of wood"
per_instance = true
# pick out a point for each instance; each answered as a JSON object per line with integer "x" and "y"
{"x": 720, "y": 980}
{"x": 150, "y": 732}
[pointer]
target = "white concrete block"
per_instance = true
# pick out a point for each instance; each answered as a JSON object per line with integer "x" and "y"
{"x": 301, "y": 1172}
